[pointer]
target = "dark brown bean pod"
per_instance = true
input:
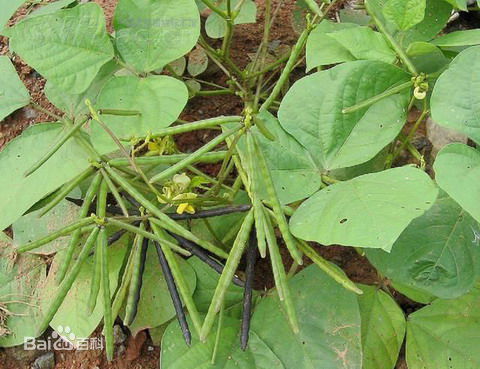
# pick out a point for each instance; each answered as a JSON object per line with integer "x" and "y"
{"x": 252, "y": 253}
{"x": 172, "y": 288}
{"x": 204, "y": 256}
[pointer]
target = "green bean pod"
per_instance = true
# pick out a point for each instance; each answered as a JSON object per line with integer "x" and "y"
{"x": 137, "y": 278}
{"x": 148, "y": 235}
{"x": 95, "y": 282}
{"x": 72, "y": 131}
{"x": 68, "y": 281}
{"x": 53, "y": 236}
{"x": 276, "y": 206}
{"x": 115, "y": 193}
{"x": 280, "y": 276}
{"x": 107, "y": 306}
{"x": 165, "y": 220}
{"x": 258, "y": 210}
{"x": 333, "y": 271}
{"x": 182, "y": 285}
{"x": 66, "y": 190}
{"x": 227, "y": 275}
{"x": 91, "y": 192}
{"x": 167, "y": 173}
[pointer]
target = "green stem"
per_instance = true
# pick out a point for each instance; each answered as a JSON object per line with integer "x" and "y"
{"x": 192, "y": 158}
{"x": 215, "y": 9}
{"x": 209, "y": 157}
{"x": 374, "y": 99}
{"x": 398, "y": 49}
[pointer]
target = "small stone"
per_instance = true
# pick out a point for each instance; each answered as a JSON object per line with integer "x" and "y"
{"x": 440, "y": 136}
{"x": 30, "y": 113}
{"x": 118, "y": 335}
{"x": 21, "y": 355}
{"x": 46, "y": 361}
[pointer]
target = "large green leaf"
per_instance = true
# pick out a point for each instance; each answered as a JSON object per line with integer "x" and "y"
{"x": 13, "y": 94}
{"x": 295, "y": 175}
{"x": 30, "y": 227}
{"x": 437, "y": 253}
{"x": 151, "y": 33}
{"x": 160, "y": 100}
{"x": 20, "y": 279}
{"x": 444, "y": 335}
{"x": 155, "y": 306}
{"x": 215, "y": 26}
{"x": 457, "y": 171}
{"x": 437, "y": 14}
{"x": 368, "y": 211}
{"x": 331, "y": 43}
{"x": 383, "y": 328}
{"x": 8, "y": 8}
{"x": 70, "y": 50}
{"x": 74, "y": 104}
{"x": 459, "y": 38}
{"x": 312, "y": 112}
{"x": 20, "y": 192}
{"x": 329, "y": 333}
{"x": 74, "y": 311}
{"x": 426, "y": 57}
{"x": 50, "y": 7}
{"x": 456, "y": 96}
{"x": 404, "y": 13}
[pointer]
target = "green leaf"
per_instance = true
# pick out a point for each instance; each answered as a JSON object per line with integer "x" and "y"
{"x": 73, "y": 313}
{"x": 458, "y": 161}
{"x": 321, "y": 49}
{"x": 312, "y": 112}
{"x": 216, "y": 26}
{"x": 383, "y": 328}
{"x": 444, "y": 335}
{"x": 426, "y": 57}
{"x": 207, "y": 280}
{"x": 414, "y": 294}
{"x": 459, "y": 38}
{"x": 8, "y": 7}
{"x": 160, "y": 100}
{"x": 404, "y": 13}
{"x": 151, "y": 33}
{"x": 459, "y": 4}
{"x": 70, "y": 51}
{"x": 369, "y": 211}
{"x": 155, "y": 306}
{"x": 295, "y": 175}
{"x": 197, "y": 62}
{"x": 330, "y": 339}
{"x": 13, "y": 94}
{"x": 50, "y": 8}
{"x": 437, "y": 14}
{"x": 455, "y": 99}
{"x": 20, "y": 279}
{"x": 437, "y": 253}
{"x": 30, "y": 227}
{"x": 74, "y": 104}
{"x": 20, "y": 192}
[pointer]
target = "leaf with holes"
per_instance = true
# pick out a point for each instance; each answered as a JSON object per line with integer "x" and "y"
{"x": 368, "y": 211}
{"x": 444, "y": 335}
{"x": 438, "y": 252}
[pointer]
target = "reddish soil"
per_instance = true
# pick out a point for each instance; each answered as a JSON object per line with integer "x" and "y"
{"x": 140, "y": 353}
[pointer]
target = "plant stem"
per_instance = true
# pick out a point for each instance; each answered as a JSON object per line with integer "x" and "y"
{"x": 374, "y": 99}
{"x": 45, "y": 111}
{"x": 215, "y": 9}
{"x": 398, "y": 49}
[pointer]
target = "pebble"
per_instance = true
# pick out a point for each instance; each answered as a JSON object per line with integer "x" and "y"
{"x": 118, "y": 335}
{"x": 46, "y": 361}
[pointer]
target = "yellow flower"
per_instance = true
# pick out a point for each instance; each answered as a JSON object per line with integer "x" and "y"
{"x": 185, "y": 208}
